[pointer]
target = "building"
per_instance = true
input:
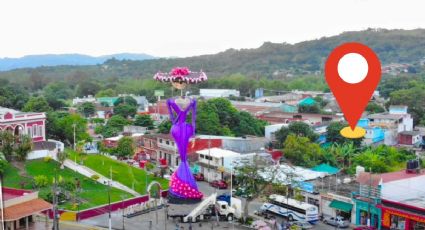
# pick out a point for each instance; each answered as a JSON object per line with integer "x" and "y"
{"x": 393, "y": 122}
{"x": 254, "y": 108}
{"x": 211, "y": 162}
{"x": 20, "y": 208}
{"x": 107, "y": 101}
{"x": 142, "y": 102}
{"x": 374, "y": 135}
{"x": 214, "y": 93}
{"x": 393, "y": 200}
{"x": 403, "y": 202}
{"x": 20, "y": 123}
{"x": 409, "y": 138}
{"x": 276, "y": 117}
{"x": 78, "y": 101}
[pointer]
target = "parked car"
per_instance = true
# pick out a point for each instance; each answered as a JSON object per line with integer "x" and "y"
{"x": 338, "y": 221}
{"x": 364, "y": 228}
{"x": 302, "y": 224}
{"x": 199, "y": 176}
{"x": 220, "y": 184}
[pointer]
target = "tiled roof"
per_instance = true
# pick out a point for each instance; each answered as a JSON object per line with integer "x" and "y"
{"x": 21, "y": 210}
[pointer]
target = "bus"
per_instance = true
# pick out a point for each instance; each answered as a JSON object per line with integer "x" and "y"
{"x": 291, "y": 209}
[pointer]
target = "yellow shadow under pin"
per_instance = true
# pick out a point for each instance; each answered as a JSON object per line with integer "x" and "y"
{"x": 358, "y": 132}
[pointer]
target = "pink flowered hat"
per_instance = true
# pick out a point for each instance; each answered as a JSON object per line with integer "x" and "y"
{"x": 181, "y": 74}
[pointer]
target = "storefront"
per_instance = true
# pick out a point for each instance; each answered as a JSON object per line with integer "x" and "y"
{"x": 402, "y": 217}
{"x": 363, "y": 208}
{"x": 336, "y": 205}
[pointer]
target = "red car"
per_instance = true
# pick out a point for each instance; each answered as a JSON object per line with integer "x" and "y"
{"x": 220, "y": 184}
{"x": 199, "y": 176}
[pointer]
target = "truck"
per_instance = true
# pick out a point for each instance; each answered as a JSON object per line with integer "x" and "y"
{"x": 209, "y": 207}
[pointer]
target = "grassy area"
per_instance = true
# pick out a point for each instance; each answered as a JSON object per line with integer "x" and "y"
{"x": 92, "y": 193}
{"x": 121, "y": 172}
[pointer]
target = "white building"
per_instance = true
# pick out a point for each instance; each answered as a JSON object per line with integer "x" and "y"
{"x": 213, "y": 93}
{"x": 393, "y": 122}
{"x": 89, "y": 98}
{"x": 212, "y": 162}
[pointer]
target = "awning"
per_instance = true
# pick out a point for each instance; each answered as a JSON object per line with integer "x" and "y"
{"x": 340, "y": 205}
{"x": 18, "y": 211}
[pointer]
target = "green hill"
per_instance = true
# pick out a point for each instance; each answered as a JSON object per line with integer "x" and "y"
{"x": 392, "y": 46}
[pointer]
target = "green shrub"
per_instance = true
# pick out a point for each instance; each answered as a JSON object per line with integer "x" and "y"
{"x": 68, "y": 185}
{"x": 95, "y": 177}
{"x": 41, "y": 181}
{"x": 47, "y": 159}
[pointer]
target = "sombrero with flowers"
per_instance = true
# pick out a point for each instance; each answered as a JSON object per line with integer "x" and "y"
{"x": 181, "y": 75}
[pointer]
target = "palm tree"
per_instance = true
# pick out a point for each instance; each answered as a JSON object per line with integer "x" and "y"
{"x": 23, "y": 148}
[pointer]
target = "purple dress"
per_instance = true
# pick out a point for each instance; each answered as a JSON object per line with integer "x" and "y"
{"x": 183, "y": 184}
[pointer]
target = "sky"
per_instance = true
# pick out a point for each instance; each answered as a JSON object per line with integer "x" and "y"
{"x": 181, "y": 28}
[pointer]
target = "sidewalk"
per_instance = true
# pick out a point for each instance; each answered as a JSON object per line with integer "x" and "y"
{"x": 102, "y": 179}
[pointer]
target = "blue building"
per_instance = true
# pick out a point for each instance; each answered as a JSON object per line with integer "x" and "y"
{"x": 374, "y": 135}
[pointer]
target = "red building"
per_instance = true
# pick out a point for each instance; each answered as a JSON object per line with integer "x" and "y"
{"x": 409, "y": 138}
{"x": 20, "y": 207}
{"x": 20, "y": 123}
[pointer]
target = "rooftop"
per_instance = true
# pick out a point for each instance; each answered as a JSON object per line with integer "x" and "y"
{"x": 218, "y": 153}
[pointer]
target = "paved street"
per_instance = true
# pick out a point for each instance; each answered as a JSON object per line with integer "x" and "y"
{"x": 158, "y": 221}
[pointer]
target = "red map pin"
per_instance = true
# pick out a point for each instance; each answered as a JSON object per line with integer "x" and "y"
{"x": 353, "y": 72}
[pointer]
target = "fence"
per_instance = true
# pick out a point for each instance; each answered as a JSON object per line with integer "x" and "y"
{"x": 96, "y": 211}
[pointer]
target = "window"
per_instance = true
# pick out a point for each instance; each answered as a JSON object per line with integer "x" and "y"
{"x": 34, "y": 130}
{"x": 160, "y": 154}
{"x": 160, "y": 140}
{"x": 29, "y": 131}
{"x": 167, "y": 142}
{"x": 177, "y": 160}
{"x": 201, "y": 156}
{"x": 40, "y": 131}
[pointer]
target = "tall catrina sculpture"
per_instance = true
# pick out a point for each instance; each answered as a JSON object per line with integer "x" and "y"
{"x": 183, "y": 187}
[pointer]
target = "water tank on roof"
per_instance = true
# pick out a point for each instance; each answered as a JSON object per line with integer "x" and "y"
{"x": 359, "y": 169}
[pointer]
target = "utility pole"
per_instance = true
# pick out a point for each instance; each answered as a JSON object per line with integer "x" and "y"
{"x": 74, "y": 125}
{"x": 1, "y": 200}
{"x": 55, "y": 203}
{"x": 369, "y": 196}
{"x": 109, "y": 204}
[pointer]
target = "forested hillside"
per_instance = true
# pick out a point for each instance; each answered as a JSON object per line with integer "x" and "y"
{"x": 271, "y": 59}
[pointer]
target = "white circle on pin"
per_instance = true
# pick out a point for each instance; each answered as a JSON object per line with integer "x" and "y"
{"x": 353, "y": 68}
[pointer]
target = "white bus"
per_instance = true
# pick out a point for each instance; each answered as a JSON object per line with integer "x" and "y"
{"x": 290, "y": 208}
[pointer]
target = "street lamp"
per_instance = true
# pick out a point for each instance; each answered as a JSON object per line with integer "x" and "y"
{"x": 109, "y": 202}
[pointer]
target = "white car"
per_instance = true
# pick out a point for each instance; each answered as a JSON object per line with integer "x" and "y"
{"x": 338, "y": 221}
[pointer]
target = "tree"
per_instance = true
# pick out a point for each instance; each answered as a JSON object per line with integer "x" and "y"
{"x": 128, "y": 100}
{"x": 300, "y": 151}
{"x": 117, "y": 121}
{"x": 87, "y": 87}
{"x": 114, "y": 125}
{"x": 333, "y": 135}
{"x": 298, "y": 128}
{"x": 144, "y": 121}
{"x": 65, "y": 126}
{"x": 23, "y": 147}
{"x": 207, "y": 119}
{"x": 372, "y": 107}
{"x": 61, "y": 156}
{"x": 254, "y": 176}
{"x": 414, "y": 98}
{"x": 125, "y": 147}
{"x": 87, "y": 109}
{"x": 7, "y": 144}
{"x": 164, "y": 127}
{"x": 309, "y": 108}
{"x": 106, "y": 93}
{"x": 56, "y": 93}
{"x": 37, "y": 104}
{"x": 125, "y": 110}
